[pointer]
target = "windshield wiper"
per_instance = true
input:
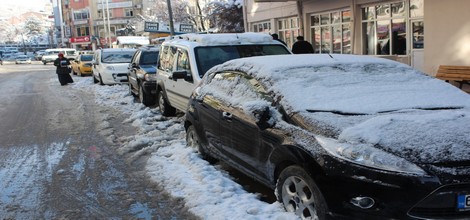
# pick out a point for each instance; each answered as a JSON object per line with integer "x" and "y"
{"x": 426, "y": 109}
{"x": 335, "y": 112}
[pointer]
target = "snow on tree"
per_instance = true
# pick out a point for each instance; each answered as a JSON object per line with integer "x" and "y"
{"x": 226, "y": 16}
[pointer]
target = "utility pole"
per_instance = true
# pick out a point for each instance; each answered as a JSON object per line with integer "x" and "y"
{"x": 170, "y": 14}
{"x": 59, "y": 2}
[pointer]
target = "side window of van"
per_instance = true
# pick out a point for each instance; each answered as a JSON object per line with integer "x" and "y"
{"x": 163, "y": 58}
{"x": 183, "y": 61}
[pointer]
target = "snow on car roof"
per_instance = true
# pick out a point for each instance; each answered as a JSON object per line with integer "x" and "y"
{"x": 223, "y": 39}
{"x": 348, "y": 83}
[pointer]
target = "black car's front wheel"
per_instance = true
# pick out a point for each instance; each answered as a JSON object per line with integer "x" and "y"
{"x": 144, "y": 98}
{"x": 297, "y": 191}
{"x": 165, "y": 108}
{"x": 193, "y": 141}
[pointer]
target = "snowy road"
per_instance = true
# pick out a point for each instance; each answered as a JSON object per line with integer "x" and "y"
{"x": 58, "y": 155}
{"x": 90, "y": 151}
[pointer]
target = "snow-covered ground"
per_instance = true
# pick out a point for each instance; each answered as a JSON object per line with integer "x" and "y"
{"x": 208, "y": 191}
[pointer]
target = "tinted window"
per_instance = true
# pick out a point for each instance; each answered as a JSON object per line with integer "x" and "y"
{"x": 207, "y": 57}
{"x": 86, "y": 58}
{"x": 149, "y": 58}
{"x": 117, "y": 56}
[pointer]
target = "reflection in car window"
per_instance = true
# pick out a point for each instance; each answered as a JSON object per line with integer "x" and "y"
{"x": 86, "y": 57}
{"x": 149, "y": 58}
{"x": 207, "y": 57}
{"x": 237, "y": 89}
{"x": 183, "y": 61}
{"x": 117, "y": 57}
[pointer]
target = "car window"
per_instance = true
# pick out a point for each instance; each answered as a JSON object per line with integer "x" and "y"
{"x": 236, "y": 89}
{"x": 86, "y": 57}
{"x": 117, "y": 56}
{"x": 149, "y": 58}
{"x": 207, "y": 57}
{"x": 183, "y": 61}
{"x": 167, "y": 58}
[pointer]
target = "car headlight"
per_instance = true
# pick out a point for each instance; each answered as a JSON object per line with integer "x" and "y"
{"x": 369, "y": 156}
{"x": 110, "y": 68}
{"x": 150, "y": 77}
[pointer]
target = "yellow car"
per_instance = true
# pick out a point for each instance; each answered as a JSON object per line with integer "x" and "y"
{"x": 82, "y": 65}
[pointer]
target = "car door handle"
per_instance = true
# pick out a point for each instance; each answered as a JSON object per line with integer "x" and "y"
{"x": 227, "y": 116}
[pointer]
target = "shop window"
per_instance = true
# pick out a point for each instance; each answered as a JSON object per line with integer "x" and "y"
{"x": 263, "y": 27}
{"x": 330, "y": 32}
{"x": 288, "y": 30}
{"x": 384, "y": 29}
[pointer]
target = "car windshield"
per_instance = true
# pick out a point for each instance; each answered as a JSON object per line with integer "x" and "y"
{"x": 207, "y": 57}
{"x": 117, "y": 56}
{"x": 149, "y": 58}
{"x": 86, "y": 57}
{"x": 70, "y": 52}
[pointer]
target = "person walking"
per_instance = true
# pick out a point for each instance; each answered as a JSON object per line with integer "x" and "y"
{"x": 63, "y": 69}
{"x": 302, "y": 46}
{"x": 276, "y": 37}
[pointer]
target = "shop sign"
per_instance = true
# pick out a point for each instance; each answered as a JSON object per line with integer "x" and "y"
{"x": 110, "y": 5}
{"x": 151, "y": 26}
{"x": 85, "y": 39}
{"x": 187, "y": 28}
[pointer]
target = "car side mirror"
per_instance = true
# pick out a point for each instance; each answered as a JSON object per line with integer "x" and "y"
{"x": 181, "y": 74}
{"x": 263, "y": 118}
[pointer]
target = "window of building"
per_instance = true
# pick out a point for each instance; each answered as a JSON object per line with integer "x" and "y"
{"x": 264, "y": 27}
{"x": 80, "y": 15}
{"x": 82, "y": 31}
{"x": 288, "y": 30}
{"x": 331, "y": 32}
{"x": 385, "y": 27}
{"x": 128, "y": 12}
{"x": 100, "y": 13}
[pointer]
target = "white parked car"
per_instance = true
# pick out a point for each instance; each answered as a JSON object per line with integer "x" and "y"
{"x": 110, "y": 65}
{"x": 184, "y": 60}
{"x": 22, "y": 59}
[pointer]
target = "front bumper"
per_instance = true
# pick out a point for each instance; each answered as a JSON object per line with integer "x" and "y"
{"x": 150, "y": 87}
{"x": 395, "y": 196}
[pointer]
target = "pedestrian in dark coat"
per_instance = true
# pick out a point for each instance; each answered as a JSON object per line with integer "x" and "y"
{"x": 302, "y": 46}
{"x": 63, "y": 70}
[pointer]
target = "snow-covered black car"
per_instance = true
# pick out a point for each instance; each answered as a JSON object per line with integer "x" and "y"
{"x": 341, "y": 136}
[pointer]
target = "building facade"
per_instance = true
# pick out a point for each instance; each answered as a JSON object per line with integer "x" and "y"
{"x": 89, "y": 24}
{"x": 393, "y": 29}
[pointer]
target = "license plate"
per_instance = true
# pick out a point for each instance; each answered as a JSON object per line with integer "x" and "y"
{"x": 463, "y": 202}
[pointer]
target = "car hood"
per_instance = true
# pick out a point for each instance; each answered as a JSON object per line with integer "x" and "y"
{"x": 419, "y": 136}
{"x": 149, "y": 68}
{"x": 118, "y": 67}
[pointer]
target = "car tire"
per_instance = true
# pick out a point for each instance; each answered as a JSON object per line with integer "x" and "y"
{"x": 145, "y": 98}
{"x": 165, "y": 108}
{"x": 74, "y": 73}
{"x": 299, "y": 193}
{"x": 44, "y": 63}
{"x": 94, "y": 79}
{"x": 193, "y": 141}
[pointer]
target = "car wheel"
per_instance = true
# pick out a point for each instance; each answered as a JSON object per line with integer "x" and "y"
{"x": 297, "y": 191}
{"x": 145, "y": 98}
{"x": 192, "y": 140}
{"x": 94, "y": 79}
{"x": 165, "y": 108}
{"x": 73, "y": 72}
{"x": 101, "y": 80}
{"x": 44, "y": 63}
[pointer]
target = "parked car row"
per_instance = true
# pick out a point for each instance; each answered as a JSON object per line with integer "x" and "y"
{"x": 335, "y": 136}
